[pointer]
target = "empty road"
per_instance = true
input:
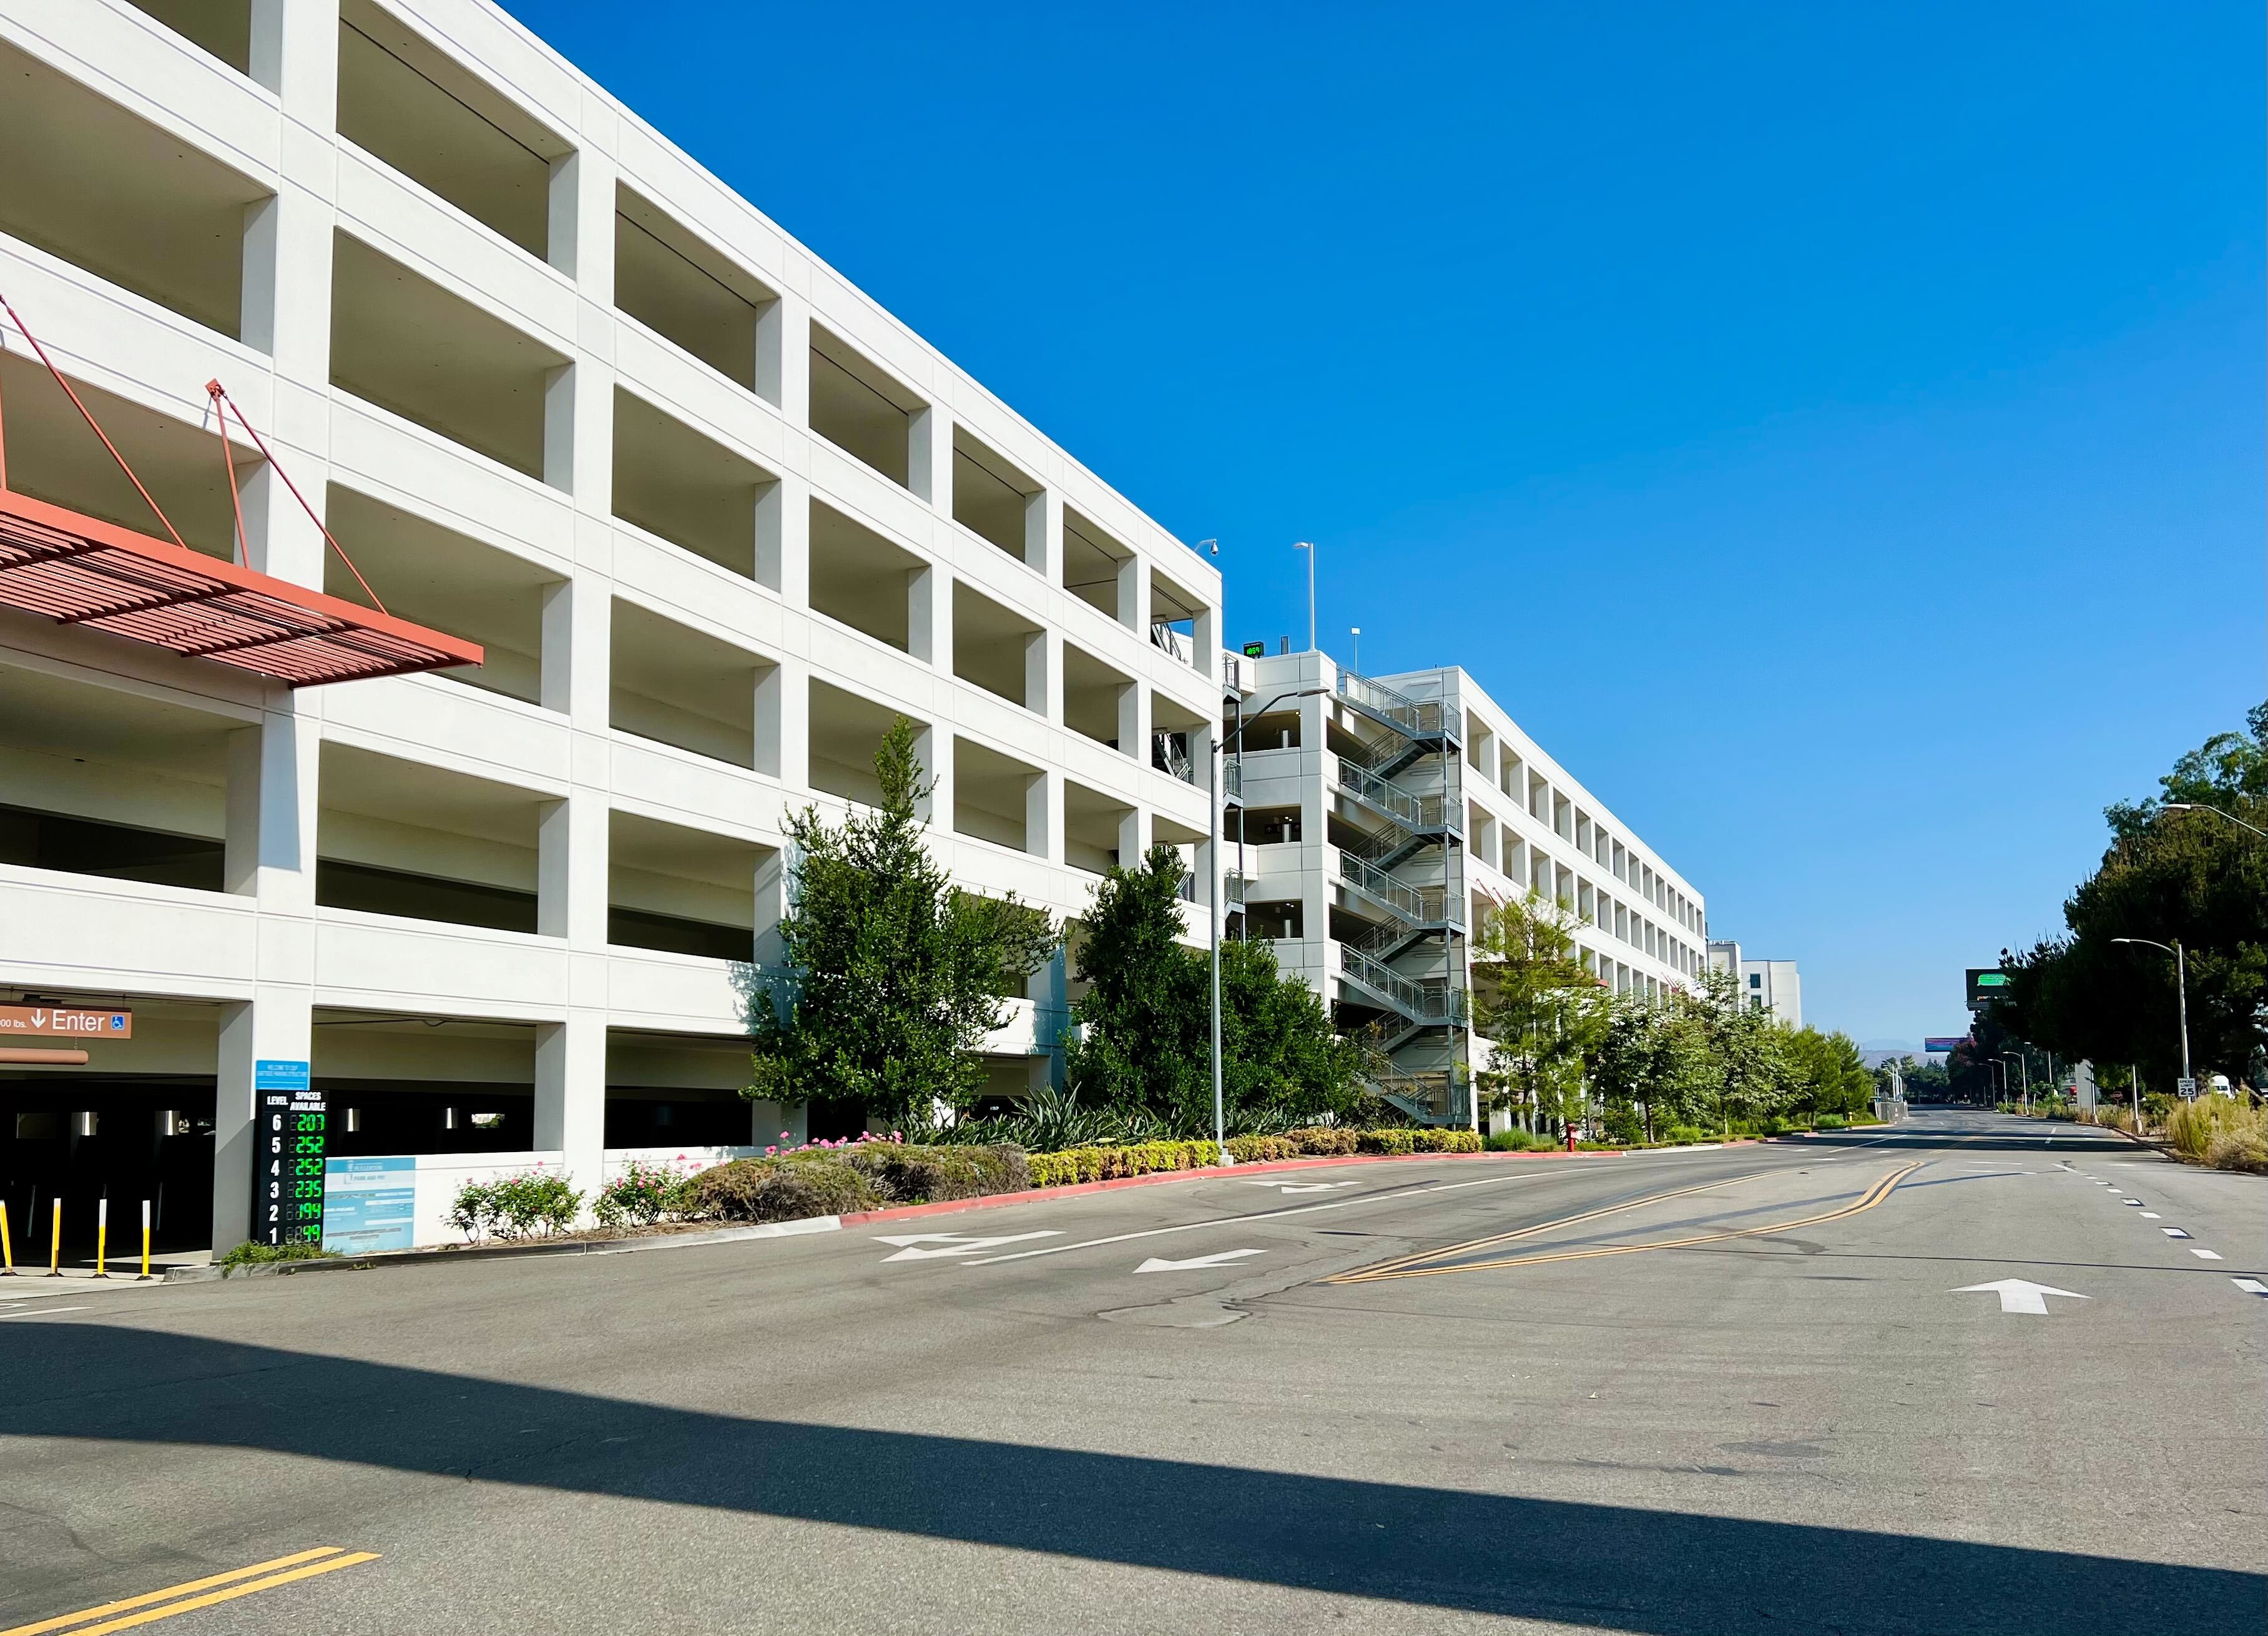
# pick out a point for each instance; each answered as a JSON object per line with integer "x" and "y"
{"x": 1977, "y": 1375}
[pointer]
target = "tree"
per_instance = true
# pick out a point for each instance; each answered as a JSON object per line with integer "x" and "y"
{"x": 1825, "y": 1072}
{"x": 1745, "y": 1045}
{"x": 892, "y": 976}
{"x": 1145, "y": 1040}
{"x": 1543, "y": 1011}
{"x": 2189, "y": 875}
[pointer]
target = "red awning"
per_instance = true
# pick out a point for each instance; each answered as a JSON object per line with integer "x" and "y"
{"x": 79, "y": 571}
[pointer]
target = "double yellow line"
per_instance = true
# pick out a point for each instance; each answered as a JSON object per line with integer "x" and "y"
{"x": 1417, "y": 1266}
{"x": 197, "y": 1593}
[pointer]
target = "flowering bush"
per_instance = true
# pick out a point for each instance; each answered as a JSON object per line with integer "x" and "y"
{"x": 534, "y": 1204}
{"x": 642, "y": 1195}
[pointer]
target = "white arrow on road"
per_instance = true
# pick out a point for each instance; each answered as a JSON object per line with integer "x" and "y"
{"x": 2022, "y": 1295}
{"x": 1226, "y": 1255}
{"x": 1297, "y": 1187}
{"x": 949, "y": 1243}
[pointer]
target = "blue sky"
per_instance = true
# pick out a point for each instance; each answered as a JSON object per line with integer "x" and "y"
{"x": 1835, "y": 433}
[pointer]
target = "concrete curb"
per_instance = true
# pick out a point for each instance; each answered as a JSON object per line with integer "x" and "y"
{"x": 861, "y": 1218}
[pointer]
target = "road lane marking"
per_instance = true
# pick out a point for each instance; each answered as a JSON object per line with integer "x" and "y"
{"x": 2135, "y": 1201}
{"x": 2251, "y": 1286}
{"x": 2151, "y": 1215}
{"x": 942, "y": 1244}
{"x": 300, "y": 1565}
{"x": 1495, "y": 1240}
{"x": 38, "y": 1312}
{"x": 2206, "y": 1255}
{"x": 2020, "y": 1294}
{"x": 1221, "y": 1260}
{"x": 1403, "y": 1269}
{"x": 2173, "y": 1231}
{"x": 1265, "y": 1215}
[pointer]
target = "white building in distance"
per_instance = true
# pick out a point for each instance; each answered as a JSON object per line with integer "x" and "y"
{"x": 1771, "y": 986}
{"x": 1373, "y": 824}
{"x": 712, "y": 518}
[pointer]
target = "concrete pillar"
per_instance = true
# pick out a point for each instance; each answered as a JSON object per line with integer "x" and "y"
{"x": 1133, "y": 738}
{"x": 571, "y": 870}
{"x": 1043, "y": 673}
{"x": 1044, "y": 816}
{"x": 1133, "y": 837}
{"x": 1206, "y": 644}
{"x": 570, "y": 1095}
{"x": 1134, "y": 594}
{"x": 933, "y": 750}
{"x": 784, "y": 357}
{"x": 268, "y": 854}
{"x": 929, "y": 463}
{"x": 1043, "y": 533}
{"x": 929, "y": 616}
{"x": 784, "y": 723}
{"x": 782, "y": 523}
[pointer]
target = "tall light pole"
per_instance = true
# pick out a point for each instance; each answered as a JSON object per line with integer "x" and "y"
{"x": 1356, "y": 632}
{"x": 1308, "y": 546}
{"x": 2181, "y": 989}
{"x": 2199, "y": 806}
{"x": 1214, "y": 771}
{"x": 2026, "y": 1105}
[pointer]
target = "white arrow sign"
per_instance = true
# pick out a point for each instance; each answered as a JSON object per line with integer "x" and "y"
{"x": 1226, "y": 1255}
{"x": 2020, "y": 1294}
{"x": 949, "y": 1243}
{"x": 1297, "y": 1187}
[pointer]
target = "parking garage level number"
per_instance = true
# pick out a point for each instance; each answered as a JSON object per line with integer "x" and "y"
{"x": 294, "y": 1120}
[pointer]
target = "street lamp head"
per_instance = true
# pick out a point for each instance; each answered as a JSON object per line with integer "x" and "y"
{"x": 1212, "y": 546}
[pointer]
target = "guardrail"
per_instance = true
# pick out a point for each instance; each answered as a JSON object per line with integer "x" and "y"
{"x": 1418, "y": 717}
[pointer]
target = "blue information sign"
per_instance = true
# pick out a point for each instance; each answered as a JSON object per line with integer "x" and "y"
{"x": 279, "y": 1075}
{"x": 370, "y": 1205}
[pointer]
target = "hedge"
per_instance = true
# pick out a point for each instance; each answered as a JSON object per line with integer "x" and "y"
{"x": 836, "y": 1181}
{"x": 1105, "y": 1164}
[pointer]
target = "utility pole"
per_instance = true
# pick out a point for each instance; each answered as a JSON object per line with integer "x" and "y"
{"x": 1308, "y": 546}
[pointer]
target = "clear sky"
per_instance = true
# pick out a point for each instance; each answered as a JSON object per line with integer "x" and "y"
{"x": 1836, "y": 433}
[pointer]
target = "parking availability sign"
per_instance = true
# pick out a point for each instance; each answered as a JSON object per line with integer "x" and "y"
{"x": 292, "y": 1122}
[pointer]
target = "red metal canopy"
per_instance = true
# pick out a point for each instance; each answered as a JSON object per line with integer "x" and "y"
{"x": 80, "y": 571}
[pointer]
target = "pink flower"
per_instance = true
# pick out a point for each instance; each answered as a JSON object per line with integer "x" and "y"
{"x": 768, "y": 1151}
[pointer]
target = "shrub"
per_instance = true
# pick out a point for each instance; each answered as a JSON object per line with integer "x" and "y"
{"x": 642, "y": 1195}
{"x": 2238, "y": 1149}
{"x": 1434, "y": 1139}
{"x": 535, "y": 1203}
{"x": 788, "y": 1188}
{"x": 2223, "y": 1131}
{"x": 1832, "y": 1122}
{"x": 1685, "y": 1136}
{"x": 251, "y": 1254}
{"x": 932, "y": 1173}
{"x": 1105, "y": 1164}
{"x": 1325, "y": 1139}
{"x": 1249, "y": 1150}
{"x": 1516, "y": 1140}
{"x": 1388, "y": 1141}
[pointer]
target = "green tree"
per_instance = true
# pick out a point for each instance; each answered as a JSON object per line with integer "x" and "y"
{"x": 1145, "y": 1040}
{"x": 892, "y": 976}
{"x": 1542, "y": 1010}
{"x": 1825, "y": 1073}
{"x": 1745, "y": 1047}
{"x": 2191, "y": 876}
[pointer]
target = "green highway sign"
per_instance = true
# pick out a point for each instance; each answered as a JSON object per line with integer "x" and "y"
{"x": 1985, "y": 984}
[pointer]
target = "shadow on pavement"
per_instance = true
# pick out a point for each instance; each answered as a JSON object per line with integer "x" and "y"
{"x": 1602, "y": 1566}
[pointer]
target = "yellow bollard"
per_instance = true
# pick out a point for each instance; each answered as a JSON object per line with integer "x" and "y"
{"x": 145, "y": 1241}
{"x": 55, "y": 1244}
{"x": 102, "y": 1237}
{"x": 7, "y": 1246}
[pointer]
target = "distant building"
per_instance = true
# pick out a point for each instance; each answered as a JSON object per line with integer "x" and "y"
{"x": 1769, "y": 986}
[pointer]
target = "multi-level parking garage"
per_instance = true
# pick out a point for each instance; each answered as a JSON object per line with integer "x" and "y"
{"x": 711, "y": 517}
{"x": 1375, "y": 822}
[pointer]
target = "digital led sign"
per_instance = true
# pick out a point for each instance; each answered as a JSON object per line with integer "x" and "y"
{"x": 292, "y": 1126}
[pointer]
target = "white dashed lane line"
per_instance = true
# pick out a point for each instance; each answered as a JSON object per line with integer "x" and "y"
{"x": 2173, "y": 1231}
{"x": 2251, "y": 1286}
{"x": 2150, "y": 1215}
{"x": 2206, "y": 1255}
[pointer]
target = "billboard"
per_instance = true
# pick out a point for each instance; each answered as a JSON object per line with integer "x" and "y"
{"x": 1938, "y": 1042}
{"x": 1986, "y": 983}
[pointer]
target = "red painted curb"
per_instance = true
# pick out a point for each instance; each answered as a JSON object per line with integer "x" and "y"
{"x": 1069, "y": 1188}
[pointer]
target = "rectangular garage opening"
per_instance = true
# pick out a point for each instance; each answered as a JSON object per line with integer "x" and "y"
{"x": 999, "y": 651}
{"x": 1093, "y": 566}
{"x": 994, "y": 501}
{"x": 859, "y": 408}
{"x": 688, "y": 489}
{"x": 1095, "y": 827}
{"x": 221, "y": 28}
{"x": 121, "y": 197}
{"x": 400, "y": 1083}
{"x": 428, "y": 116}
{"x": 676, "y": 685}
{"x": 1173, "y": 620}
{"x": 993, "y": 795}
{"x": 846, "y": 731}
{"x": 1097, "y": 700}
{"x": 102, "y": 782}
{"x": 860, "y": 578}
{"x": 437, "y": 577}
{"x": 681, "y": 891}
{"x": 405, "y": 344}
{"x": 683, "y": 288}
{"x": 670, "y": 1096}
{"x": 52, "y": 456}
{"x": 400, "y": 837}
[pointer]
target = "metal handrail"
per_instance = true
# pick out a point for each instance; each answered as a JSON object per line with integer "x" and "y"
{"x": 1418, "y": 717}
{"x": 1366, "y": 785}
{"x": 1420, "y": 1000}
{"x": 1169, "y": 753}
{"x": 1231, "y": 776}
{"x": 1398, "y": 896}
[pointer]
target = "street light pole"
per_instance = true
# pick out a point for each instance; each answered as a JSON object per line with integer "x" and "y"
{"x": 2199, "y": 806}
{"x": 2181, "y": 990}
{"x": 1308, "y": 546}
{"x": 1214, "y": 771}
{"x": 1356, "y": 632}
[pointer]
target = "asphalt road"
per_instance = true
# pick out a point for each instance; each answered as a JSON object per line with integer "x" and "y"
{"x": 1717, "y": 1391}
